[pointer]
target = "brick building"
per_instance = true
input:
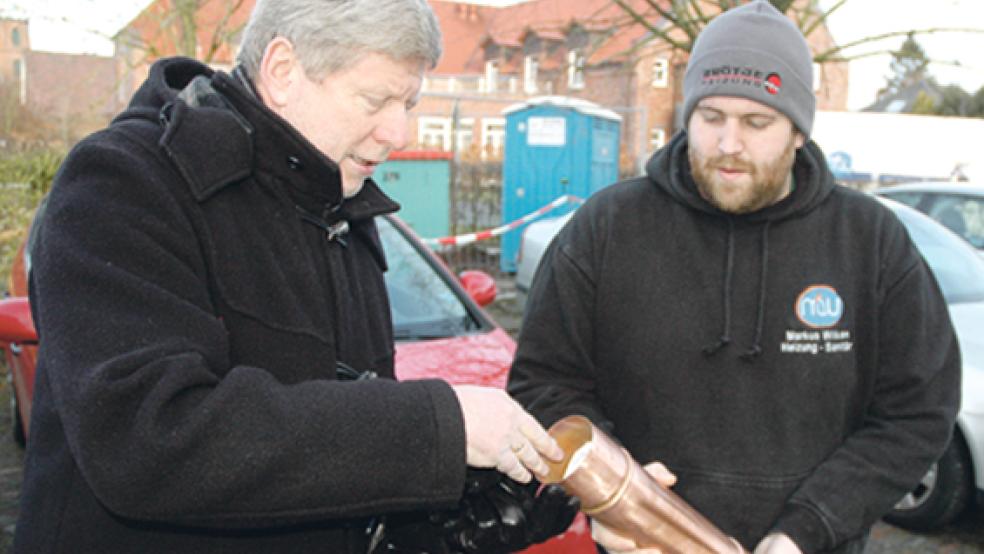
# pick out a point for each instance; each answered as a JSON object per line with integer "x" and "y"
{"x": 583, "y": 48}
{"x": 67, "y": 95}
{"x": 75, "y": 93}
{"x": 14, "y": 45}
{"x": 497, "y": 56}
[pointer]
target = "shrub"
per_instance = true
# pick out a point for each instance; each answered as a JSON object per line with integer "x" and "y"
{"x": 25, "y": 177}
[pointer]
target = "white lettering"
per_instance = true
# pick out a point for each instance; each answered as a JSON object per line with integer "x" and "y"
{"x": 845, "y": 346}
{"x": 823, "y": 307}
{"x": 799, "y": 347}
{"x": 794, "y": 336}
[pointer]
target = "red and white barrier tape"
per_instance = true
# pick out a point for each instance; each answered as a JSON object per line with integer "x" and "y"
{"x": 489, "y": 233}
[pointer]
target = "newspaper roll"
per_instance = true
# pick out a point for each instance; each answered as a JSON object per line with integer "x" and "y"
{"x": 614, "y": 489}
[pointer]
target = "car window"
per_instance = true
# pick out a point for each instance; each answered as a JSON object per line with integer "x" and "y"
{"x": 957, "y": 267}
{"x": 964, "y": 215}
{"x": 907, "y": 198}
{"x": 422, "y": 303}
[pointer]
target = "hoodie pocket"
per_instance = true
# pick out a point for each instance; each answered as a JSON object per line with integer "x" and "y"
{"x": 744, "y": 507}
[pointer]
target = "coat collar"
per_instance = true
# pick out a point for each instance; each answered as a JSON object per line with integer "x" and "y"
{"x": 220, "y": 133}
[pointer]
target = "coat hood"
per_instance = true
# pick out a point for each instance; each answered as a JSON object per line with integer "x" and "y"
{"x": 217, "y": 131}
{"x": 669, "y": 169}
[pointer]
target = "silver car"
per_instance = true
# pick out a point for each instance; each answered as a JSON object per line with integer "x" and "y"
{"x": 957, "y": 206}
{"x": 957, "y": 479}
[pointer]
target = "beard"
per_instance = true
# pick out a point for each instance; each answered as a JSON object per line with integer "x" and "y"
{"x": 765, "y": 183}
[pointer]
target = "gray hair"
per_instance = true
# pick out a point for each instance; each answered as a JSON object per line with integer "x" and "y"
{"x": 330, "y": 35}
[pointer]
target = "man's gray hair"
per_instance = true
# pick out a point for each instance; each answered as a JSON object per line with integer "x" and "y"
{"x": 330, "y": 35}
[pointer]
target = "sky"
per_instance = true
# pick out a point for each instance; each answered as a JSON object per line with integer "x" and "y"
{"x": 85, "y": 25}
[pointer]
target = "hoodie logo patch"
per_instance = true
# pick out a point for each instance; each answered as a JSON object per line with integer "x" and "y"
{"x": 819, "y": 307}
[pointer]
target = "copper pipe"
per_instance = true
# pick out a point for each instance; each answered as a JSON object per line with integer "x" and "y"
{"x": 617, "y": 491}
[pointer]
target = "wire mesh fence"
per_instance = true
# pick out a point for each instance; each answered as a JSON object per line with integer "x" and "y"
{"x": 476, "y": 205}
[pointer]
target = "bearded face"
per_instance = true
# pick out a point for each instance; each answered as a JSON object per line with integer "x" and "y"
{"x": 741, "y": 153}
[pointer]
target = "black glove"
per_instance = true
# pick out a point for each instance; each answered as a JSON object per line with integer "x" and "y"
{"x": 496, "y": 515}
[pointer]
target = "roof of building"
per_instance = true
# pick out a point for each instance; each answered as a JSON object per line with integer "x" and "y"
{"x": 577, "y": 104}
{"x": 468, "y": 29}
{"x": 905, "y": 99}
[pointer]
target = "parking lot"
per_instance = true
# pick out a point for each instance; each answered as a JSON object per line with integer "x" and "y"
{"x": 965, "y": 536}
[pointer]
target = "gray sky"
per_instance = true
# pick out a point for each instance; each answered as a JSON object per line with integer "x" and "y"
{"x": 84, "y": 25}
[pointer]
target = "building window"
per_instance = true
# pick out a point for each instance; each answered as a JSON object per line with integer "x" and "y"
{"x": 575, "y": 69}
{"x": 817, "y": 72}
{"x": 463, "y": 134}
{"x": 15, "y": 37}
{"x": 657, "y": 138}
{"x": 434, "y": 132}
{"x": 491, "y": 76}
{"x": 20, "y": 73}
{"x": 661, "y": 73}
{"x": 530, "y": 68}
{"x": 493, "y": 134}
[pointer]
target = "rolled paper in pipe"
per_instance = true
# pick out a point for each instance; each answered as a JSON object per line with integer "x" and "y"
{"x": 614, "y": 489}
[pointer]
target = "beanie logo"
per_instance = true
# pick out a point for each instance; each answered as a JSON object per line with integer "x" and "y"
{"x": 773, "y": 83}
{"x": 738, "y": 75}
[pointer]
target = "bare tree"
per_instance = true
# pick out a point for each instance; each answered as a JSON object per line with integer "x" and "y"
{"x": 678, "y": 22}
{"x": 199, "y": 29}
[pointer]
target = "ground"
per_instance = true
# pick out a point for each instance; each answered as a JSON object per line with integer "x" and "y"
{"x": 11, "y": 462}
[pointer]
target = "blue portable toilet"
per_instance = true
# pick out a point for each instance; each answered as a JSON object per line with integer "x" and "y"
{"x": 555, "y": 146}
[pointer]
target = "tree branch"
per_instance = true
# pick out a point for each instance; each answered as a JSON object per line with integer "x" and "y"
{"x": 821, "y": 18}
{"x": 652, "y": 28}
{"x": 827, "y": 55}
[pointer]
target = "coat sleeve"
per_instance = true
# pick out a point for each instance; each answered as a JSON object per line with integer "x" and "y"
{"x": 162, "y": 427}
{"x": 908, "y": 422}
{"x": 554, "y": 372}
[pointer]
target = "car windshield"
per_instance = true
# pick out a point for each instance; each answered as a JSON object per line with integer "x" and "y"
{"x": 961, "y": 213}
{"x": 423, "y": 305}
{"x": 958, "y": 269}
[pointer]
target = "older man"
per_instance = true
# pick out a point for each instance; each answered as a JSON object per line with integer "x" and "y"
{"x": 774, "y": 339}
{"x": 202, "y": 268}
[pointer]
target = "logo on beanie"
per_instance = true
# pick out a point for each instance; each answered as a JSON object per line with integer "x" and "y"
{"x": 773, "y": 83}
{"x": 738, "y": 75}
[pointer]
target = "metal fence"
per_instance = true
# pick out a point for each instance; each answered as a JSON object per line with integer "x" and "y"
{"x": 476, "y": 205}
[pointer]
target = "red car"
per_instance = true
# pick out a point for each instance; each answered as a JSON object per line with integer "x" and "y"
{"x": 440, "y": 330}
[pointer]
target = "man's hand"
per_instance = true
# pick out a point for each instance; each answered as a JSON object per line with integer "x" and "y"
{"x": 500, "y": 434}
{"x": 615, "y": 543}
{"x": 777, "y": 543}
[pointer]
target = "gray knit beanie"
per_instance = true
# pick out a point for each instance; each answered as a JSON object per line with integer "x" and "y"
{"x": 757, "y": 53}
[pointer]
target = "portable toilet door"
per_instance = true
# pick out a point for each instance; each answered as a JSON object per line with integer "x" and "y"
{"x": 419, "y": 181}
{"x": 555, "y": 146}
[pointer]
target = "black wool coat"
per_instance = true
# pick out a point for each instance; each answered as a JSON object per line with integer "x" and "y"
{"x": 190, "y": 323}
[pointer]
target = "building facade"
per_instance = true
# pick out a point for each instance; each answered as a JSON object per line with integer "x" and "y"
{"x": 495, "y": 57}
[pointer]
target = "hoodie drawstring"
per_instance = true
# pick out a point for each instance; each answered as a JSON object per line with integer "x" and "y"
{"x": 729, "y": 267}
{"x": 756, "y": 348}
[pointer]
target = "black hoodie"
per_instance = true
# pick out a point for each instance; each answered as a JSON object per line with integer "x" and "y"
{"x": 795, "y": 367}
{"x": 191, "y": 317}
